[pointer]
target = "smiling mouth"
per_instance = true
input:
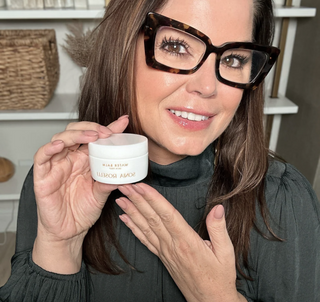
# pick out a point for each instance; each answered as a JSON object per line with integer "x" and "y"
{"x": 189, "y": 115}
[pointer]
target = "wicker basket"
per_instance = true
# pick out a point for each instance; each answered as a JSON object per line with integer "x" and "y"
{"x": 29, "y": 68}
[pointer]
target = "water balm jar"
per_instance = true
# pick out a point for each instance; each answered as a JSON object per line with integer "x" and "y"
{"x": 119, "y": 159}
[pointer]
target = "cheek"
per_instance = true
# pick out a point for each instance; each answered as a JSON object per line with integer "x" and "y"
{"x": 156, "y": 84}
{"x": 153, "y": 84}
{"x": 232, "y": 99}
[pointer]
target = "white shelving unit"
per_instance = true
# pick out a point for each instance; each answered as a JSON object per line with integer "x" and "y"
{"x": 5, "y": 14}
{"x": 279, "y": 105}
{"x": 63, "y": 106}
{"x": 43, "y": 14}
{"x": 294, "y": 12}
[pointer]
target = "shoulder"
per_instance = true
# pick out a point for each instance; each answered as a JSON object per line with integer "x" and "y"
{"x": 27, "y": 193}
{"x": 294, "y": 216}
{"x": 284, "y": 177}
{"x": 290, "y": 197}
{"x": 280, "y": 172}
{"x": 27, "y": 215}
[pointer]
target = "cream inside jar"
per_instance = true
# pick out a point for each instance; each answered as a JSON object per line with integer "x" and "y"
{"x": 119, "y": 159}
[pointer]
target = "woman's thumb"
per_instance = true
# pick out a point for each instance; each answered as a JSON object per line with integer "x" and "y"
{"x": 218, "y": 234}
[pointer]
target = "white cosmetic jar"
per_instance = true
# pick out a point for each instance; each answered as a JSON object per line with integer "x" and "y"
{"x": 119, "y": 159}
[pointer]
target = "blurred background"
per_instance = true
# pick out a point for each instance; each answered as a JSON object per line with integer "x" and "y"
{"x": 299, "y": 136}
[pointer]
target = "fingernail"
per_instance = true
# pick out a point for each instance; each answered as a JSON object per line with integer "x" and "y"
{"x": 105, "y": 130}
{"x": 121, "y": 203}
{"x": 123, "y": 218}
{"x": 57, "y": 142}
{"x": 219, "y": 212}
{"x": 90, "y": 133}
{"x": 123, "y": 116}
{"x": 138, "y": 189}
{"x": 124, "y": 190}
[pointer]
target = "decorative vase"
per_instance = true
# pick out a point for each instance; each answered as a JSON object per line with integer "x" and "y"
{"x": 6, "y": 169}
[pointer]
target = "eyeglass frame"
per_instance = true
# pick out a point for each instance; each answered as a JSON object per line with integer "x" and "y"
{"x": 154, "y": 21}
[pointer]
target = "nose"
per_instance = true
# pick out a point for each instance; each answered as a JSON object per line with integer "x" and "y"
{"x": 204, "y": 81}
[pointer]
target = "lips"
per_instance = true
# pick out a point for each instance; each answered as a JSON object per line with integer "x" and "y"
{"x": 189, "y": 115}
{"x": 191, "y": 121}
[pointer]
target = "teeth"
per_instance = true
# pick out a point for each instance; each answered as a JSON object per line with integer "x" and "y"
{"x": 189, "y": 115}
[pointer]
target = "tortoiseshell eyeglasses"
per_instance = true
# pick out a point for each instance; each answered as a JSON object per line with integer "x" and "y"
{"x": 176, "y": 47}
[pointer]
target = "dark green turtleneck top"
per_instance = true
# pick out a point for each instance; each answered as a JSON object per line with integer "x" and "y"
{"x": 280, "y": 271}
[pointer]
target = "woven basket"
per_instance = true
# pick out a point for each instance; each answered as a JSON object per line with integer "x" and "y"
{"x": 29, "y": 68}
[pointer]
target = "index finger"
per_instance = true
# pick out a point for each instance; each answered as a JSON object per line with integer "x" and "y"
{"x": 169, "y": 215}
{"x": 117, "y": 126}
{"x": 61, "y": 142}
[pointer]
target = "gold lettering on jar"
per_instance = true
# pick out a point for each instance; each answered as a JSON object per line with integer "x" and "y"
{"x": 108, "y": 165}
{"x": 128, "y": 175}
{"x": 120, "y": 165}
{"x": 106, "y": 175}
{"x": 115, "y": 166}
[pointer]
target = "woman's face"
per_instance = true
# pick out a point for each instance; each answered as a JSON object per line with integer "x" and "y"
{"x": 159, "y": 93}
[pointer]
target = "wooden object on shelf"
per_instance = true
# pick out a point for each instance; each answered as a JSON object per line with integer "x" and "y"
{"x": 79, "y": 43}
{"x": 29, "y": 68}
{"x": 6, "y": 169}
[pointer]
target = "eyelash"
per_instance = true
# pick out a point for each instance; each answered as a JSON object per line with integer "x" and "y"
{"x": 243, "y": 60}
{"x": 165, "y": 41}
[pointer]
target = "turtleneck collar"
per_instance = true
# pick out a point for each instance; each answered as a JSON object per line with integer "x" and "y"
{"x": 187, "y": 171}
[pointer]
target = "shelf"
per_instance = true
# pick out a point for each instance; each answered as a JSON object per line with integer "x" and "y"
{"x": 10, "y": 190}
{"x": 94, "y": 13}
{"x": 61, "y": 107}
{"x": 279, "y": 105}
{"x": 287, "y": 12}
{"x": 40, "y": 14}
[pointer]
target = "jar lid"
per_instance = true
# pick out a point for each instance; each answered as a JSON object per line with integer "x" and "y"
{"x": 119, "y": 146}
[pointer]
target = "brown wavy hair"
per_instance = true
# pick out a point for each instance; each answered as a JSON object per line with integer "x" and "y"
{"x": 241, "y": 161}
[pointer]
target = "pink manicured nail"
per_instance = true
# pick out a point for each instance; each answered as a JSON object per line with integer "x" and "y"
{"x": 124, "y": 218}
{"x": 124, "y": 190}
{"x": 90, "y": 133}
{"x": 57, "y": 142}
{"x": 123, "y": 116}
{"x": 138, "y": 189}
{"x": 121, "y": 203}
{"x": 219, "y": 211}
{"x": 105, "y": 130}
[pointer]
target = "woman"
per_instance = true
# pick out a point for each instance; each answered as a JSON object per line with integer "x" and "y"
{"x": 247, "y": 232}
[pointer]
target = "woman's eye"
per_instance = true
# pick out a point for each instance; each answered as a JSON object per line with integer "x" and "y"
{"x": 174, "y": 47}
{"x": 234, "y": 61}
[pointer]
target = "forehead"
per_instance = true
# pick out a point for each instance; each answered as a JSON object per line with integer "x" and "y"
{"x": 221, "y": 20}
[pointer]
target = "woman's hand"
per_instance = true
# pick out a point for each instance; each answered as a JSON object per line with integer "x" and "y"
{"x": 203, "y": 270}
{"x": 69, "y": 202}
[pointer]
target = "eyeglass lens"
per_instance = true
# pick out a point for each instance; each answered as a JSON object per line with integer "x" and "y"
{"x": 178, "y": 49}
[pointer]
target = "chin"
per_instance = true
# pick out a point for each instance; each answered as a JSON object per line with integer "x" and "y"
{"x": 192, "y": 149}
{"x": 172, "y": 150}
